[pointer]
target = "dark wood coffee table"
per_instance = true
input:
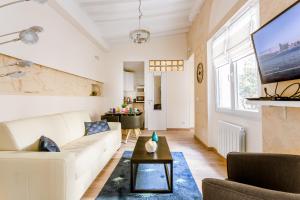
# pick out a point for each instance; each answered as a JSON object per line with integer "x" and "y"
{"x": 161, "y": 156}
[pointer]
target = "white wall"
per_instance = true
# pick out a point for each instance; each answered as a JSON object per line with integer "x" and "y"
{"x": 172, "y": 47}
{"x": 180, "y": 97}
{"x": 62, "y": 47}
{"x": 219, "y": 9}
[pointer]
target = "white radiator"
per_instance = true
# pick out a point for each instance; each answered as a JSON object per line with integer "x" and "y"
{"x": 231, "y": 138}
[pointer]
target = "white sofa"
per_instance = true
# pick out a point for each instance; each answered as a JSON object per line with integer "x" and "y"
{"x": 28, "y": 174}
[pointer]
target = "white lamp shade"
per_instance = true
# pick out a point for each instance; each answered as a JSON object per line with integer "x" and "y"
{"x": 29, "y": 37}
{"x": 40, "y": 1}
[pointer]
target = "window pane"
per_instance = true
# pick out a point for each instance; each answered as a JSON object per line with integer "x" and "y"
{"x": 224, "y": 86}
{"x": 247, "y": 82}
{"x": 218, "y": 45}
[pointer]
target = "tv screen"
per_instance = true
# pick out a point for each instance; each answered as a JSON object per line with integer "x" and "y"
{"x": 277, "y": 47}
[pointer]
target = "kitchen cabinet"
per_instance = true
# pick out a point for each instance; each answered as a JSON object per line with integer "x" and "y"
{"x": 128, "y": 81}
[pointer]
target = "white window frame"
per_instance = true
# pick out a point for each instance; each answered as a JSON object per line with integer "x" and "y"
{"x": 233, "y": 75}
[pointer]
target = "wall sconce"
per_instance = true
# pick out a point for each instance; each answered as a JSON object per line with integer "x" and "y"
{"x": 17, "y": 74}
{"x": 27, "y": 36}
{"x": 20, "y": 63}
{"x": 20, "y": 1}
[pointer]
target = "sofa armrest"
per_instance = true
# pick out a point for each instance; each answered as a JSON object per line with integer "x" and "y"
{"x": 116, "y": 127}
{"x": 279, "y": 172}
{"x": 37, "y": 175}
{"x": 215, "y": 189}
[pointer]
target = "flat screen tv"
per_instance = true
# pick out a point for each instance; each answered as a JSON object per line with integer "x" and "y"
{"x": 277, "y": 47}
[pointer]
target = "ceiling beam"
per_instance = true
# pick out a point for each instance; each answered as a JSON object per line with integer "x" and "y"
{"x": 155, "y": 35}
{"x": 87, "y": 3}
{"x": 109, "y": 3}
{"x": 157, "y": 30}
{"x": 131, "y": 17}
{"x": 146, "y": 12}
{"x": 195, "y": 9}
{"x": 146, "y": 6}
{"x": 71, "y": 11}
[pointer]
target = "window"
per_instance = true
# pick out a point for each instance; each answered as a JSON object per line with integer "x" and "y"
{"x": 166, "y": 65}
{"x": 234, "y": 61}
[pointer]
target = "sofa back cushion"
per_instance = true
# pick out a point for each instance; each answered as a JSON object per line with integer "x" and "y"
{"x": 75, "y": 124}
{"x": 25, "y": 134}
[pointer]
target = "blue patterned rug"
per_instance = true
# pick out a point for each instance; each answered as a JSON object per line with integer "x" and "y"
{"x": 150, "y": 176}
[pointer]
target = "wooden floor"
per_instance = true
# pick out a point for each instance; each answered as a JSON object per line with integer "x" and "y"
{"x": 202, "y": 163}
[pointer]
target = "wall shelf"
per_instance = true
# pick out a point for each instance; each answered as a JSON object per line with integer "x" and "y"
{"x": 295, "y": 104}
{"x": 283, "y": 104}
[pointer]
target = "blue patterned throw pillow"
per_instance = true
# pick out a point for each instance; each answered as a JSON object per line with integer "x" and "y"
{"x": 96, "y": 127}
{"x": 47, "y": 145}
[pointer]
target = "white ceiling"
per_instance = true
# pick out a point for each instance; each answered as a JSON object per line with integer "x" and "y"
{"x": 116, "y": 18}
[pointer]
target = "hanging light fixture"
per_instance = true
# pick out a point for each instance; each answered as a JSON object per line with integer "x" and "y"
{"x": 27, "y": 36}
{"x": 139, "y": 35}
{"x": 20, "y": 1}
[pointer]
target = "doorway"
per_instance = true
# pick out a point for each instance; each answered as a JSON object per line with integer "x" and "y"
{"x": 134, "y": 85}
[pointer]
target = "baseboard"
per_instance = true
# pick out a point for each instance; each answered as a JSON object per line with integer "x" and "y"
{"x": 209, "y": 148}
{"x": 175, "y": 129}
{"x": 180, "y": 129}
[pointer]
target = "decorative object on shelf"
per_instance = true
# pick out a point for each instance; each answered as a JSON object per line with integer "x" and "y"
{"x": 200, "y": 72}
{"x": 124, "y": 105}
{"x": 151, "y": 146}
{"x": 27, "y": 36}
{"x": 93, "y": 94}
{"x": 96, "y": 90}
{"x": 166, "y": 65}
{"x": 154, "y": 136}
{"x": 21, "y": 1}
{"x": 139, "y": 35}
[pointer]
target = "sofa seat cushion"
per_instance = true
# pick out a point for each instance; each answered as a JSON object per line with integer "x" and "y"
{"x": 87, "y": 151}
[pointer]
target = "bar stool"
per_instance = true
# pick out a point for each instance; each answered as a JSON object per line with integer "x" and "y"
{"x": 111, "y": 118}
{"x": 131, "y": 123}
